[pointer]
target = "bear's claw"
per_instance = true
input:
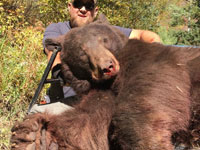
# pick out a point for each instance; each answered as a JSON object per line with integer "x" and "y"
{"x": 31, "y": 134}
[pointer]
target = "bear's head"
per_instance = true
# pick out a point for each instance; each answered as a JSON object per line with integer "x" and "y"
{"x": 90, "y": 51}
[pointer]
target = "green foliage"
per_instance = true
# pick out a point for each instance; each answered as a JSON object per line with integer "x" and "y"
{"x": 191, "y": 17}
{"x": 21, "y": 66}
{"x": 115, "y": 10}
{"x": 22, "y": 13}
{"x": 133, "y": 14}
{"x": 167, "y": 35}
{"x": 19, "y": 71}
{"x": 183, "y": 25}
{"x": 53, "y": 11}
{"x": 145, "y": 14}
{"x": 16, "y": 13}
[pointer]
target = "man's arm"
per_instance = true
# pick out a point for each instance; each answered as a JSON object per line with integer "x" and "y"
{"x": 57, "y": 59}
{"x": 55, "y": 30}
{"x": 144, "y": 35}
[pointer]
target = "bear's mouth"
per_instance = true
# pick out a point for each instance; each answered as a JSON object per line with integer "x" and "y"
{"x": 105, "y": 73}
{"x": 111, "y": 70}
{"x": 103, "y": 64}
{"x": 108, "y": 70}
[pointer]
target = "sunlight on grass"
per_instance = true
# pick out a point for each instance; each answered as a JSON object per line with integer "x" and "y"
{"x": 21, "y": 66}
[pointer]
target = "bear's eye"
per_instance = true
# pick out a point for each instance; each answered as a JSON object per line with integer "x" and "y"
{"x": 83, "y": 56}
{"x": 81, "y": 53}
{"x": 105, "y": 40}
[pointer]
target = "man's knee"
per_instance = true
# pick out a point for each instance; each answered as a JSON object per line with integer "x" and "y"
{"x": 53, "y": 108}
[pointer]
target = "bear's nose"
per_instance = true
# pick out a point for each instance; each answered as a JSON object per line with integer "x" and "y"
{"x": 108, "y": 68}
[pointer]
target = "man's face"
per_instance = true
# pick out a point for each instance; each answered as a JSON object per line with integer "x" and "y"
{"x": 82, "y": 12}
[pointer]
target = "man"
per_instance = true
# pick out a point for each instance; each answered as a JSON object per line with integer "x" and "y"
{"x": 82, "y": 12}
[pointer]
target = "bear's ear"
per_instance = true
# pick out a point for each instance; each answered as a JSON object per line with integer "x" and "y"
{"x": 51, "y": 43}
{"x": 102, "y": 19}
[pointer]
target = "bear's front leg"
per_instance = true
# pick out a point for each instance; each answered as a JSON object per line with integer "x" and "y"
{"x": 31, "y": 134}
{"x": 80, "y": 86}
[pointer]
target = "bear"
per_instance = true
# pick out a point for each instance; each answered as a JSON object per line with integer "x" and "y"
{"x": 152, "y": 76}
{"x": 102, "y": 67}
{"x": 38, "y": 130}
{"x": 85, "y": 127}
{"x": 136, "y": 101}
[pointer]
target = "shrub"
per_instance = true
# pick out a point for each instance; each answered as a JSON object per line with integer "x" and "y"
{"x": 21, "y": 66}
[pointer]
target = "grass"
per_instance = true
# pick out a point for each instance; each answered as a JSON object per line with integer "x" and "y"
{"x": 21, "y": 66}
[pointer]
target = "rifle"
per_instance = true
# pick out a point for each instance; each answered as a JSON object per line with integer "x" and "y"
{"x": 44, "y": 79}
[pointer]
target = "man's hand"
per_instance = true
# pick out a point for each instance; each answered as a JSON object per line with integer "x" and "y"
{"x": 57, "y": 59}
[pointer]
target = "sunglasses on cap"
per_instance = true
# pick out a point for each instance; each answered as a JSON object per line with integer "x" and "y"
{"x": 79, "y": 4}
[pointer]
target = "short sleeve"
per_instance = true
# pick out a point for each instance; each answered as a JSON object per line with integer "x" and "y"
{"x": 56, "y": 29}
{"x": 126, "y": 31}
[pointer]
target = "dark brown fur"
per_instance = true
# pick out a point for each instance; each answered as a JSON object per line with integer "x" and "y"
{"x": 152, "y": 101}
{"x": 77, "y": 46}
{"x": 154, "y": 95}
{"x": 190, "y": 137}
{"x": 84, "y": 128}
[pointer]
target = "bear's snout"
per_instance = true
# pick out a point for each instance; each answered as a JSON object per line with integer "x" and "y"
{"x": 105, "y": 67}
{"x": 109, "y": 68}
